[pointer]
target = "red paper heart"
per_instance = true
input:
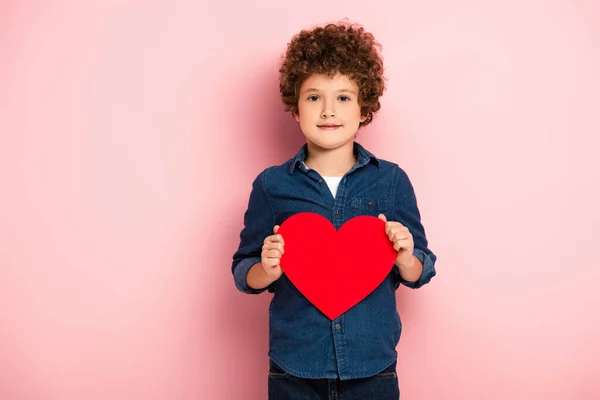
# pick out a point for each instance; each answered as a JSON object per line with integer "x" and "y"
{"x": 335, "y": 270}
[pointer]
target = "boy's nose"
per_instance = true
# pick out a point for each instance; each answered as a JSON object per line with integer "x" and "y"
{"x": 328, "y": 109}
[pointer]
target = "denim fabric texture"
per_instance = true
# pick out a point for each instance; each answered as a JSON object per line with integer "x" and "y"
{"x": 303, "y": 342}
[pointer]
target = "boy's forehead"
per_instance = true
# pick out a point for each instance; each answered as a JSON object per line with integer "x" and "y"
{"x": 327, "y": 82}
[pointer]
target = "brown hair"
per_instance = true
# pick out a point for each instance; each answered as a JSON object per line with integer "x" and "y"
{"x": 334, "y": 48}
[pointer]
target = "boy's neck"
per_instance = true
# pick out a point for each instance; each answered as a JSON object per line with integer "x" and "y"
{"x": 335, "y": 162}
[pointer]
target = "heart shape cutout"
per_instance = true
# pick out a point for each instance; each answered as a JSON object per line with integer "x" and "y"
{"x": 335, "y": 270}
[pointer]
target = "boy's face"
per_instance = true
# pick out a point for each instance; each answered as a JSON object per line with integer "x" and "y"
{"x": 328, "y": 110}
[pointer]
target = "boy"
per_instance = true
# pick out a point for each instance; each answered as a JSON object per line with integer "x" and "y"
{"x": 330, "y": 80}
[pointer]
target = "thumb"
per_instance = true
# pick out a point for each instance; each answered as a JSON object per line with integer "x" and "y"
{"x": 382, "y": 217}
{"x": 275, "y": 228}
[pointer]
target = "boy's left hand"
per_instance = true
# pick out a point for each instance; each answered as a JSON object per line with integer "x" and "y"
{"x": 402, "y": 239}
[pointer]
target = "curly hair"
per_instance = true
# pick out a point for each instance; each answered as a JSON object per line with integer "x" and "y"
{"x": 334, "y": 48}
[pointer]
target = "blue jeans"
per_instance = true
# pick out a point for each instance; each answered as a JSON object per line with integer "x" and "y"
{"x": 283, "y": 386}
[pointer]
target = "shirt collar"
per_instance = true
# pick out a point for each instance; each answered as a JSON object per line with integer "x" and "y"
{"x": 364, "y": 157}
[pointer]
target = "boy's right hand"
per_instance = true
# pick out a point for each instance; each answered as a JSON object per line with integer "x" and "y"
{"x": 272, "y": 251}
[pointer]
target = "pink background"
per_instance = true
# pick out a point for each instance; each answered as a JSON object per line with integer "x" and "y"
{"x": 130, "y": 132}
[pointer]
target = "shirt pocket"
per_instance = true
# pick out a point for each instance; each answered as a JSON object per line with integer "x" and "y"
{"x": 369, "y": 206}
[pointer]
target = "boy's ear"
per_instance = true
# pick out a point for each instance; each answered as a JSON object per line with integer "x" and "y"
{"x": 296, "y": 116}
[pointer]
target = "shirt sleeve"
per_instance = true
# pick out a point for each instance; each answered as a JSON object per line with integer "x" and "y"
{"x": 258, "y": 224}
{"x": 407, "y": 213}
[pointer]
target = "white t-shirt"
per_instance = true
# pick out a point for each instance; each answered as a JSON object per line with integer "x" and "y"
{"x": 333, "y": 182}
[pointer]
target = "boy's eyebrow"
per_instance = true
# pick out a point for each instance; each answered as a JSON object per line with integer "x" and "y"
{"x": 339, "y": 91}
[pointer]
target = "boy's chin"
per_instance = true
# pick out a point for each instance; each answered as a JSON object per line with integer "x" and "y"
{"x": 324, "y": 145}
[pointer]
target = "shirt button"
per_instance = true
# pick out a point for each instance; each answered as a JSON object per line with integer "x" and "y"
{"x": 320, "y": 180}
{"x": 338, "y": 326}
{"x": 337, "y": 212}
{"x": 370, "y": 203}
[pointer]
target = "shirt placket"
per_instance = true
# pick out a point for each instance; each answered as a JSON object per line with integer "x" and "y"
{"x": 337, "y": 325}
{"x": 337, "y": 218}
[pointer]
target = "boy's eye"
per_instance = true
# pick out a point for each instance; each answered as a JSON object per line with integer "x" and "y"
{"x": 341, "y": 98}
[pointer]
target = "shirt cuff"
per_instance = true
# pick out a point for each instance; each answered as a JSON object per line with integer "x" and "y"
{"x": 428, "y": 261}
{"x": 241, "y": 272}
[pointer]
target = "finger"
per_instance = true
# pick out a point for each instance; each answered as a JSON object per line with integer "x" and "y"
{"x": 275, "y": 228}
{"x": 274, "y": 253}
{"x": 274, "y": 246}
{"x": 270, "y": 254}
{"x": 269, "y": 239}
{"x": 398, "y": 227}
{"x": 399, "y": 235}
{"x": 382, "y": 217}
{"x": 274, "y": 239}
{"x": 394, "y": 224}
{"x": 393, "y": 232}
{"x": 279, "y": 239}
{"x": 271, "y": 263}
{"x": 402, "y": 244}
{"x": 391, "y": 225}
{"x": 275, "y": 268}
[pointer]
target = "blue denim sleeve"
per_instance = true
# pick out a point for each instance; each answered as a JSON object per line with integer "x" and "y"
{"x": 258, "y": 224}
{"x": 407, "y": 213}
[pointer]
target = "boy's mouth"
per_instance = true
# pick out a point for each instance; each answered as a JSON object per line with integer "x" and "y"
{"x": 329, "y": 126}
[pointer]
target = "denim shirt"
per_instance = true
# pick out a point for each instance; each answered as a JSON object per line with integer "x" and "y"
{"x": 302, "y": 340}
